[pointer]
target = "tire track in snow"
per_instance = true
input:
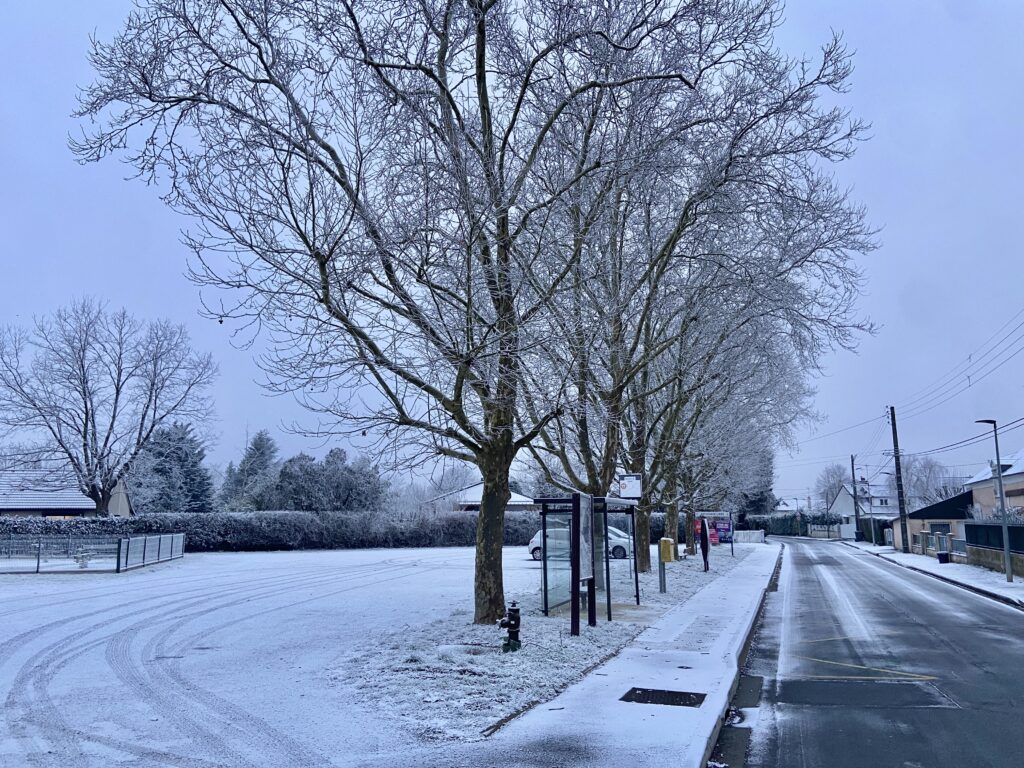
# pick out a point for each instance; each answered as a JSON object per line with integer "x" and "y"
{"x": 28, "y": 695}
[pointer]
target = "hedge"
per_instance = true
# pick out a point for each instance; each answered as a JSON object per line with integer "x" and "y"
{"x": 262, "y": 531}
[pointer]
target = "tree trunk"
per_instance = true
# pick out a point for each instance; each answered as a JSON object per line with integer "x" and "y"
{"x": 489, "y": 603}
{"x": 691, "y": 544}
{"x": 643, "y": 537}
{"x": 101, "y": 499}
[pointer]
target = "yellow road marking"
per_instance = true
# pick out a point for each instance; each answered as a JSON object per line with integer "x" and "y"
{"x": 892, "y": 678}
{"x": 900, "y": 673}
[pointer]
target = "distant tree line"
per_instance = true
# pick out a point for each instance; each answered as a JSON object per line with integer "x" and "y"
{"x": 171, "y": 476}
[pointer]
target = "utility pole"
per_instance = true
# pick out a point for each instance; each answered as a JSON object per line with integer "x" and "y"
{"x": 899, "y": 481}
{"x": 1007, "y": 558}
{"x": 856, "y": 508}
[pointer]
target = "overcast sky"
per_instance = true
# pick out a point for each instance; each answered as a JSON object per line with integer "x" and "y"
{"x": 940, "y": 81}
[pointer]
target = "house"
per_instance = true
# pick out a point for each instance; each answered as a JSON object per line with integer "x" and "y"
{"x": 946, "y": 517}
{"x": 32, "y": 494}
{"x": 984, "y": 486}
{"x": 468, "y": 500}
{"x": 787, "y": 507}
{"x": 874, "y": 504}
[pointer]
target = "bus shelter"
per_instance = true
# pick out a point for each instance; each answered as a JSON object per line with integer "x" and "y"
{"x": 585, "y": 555}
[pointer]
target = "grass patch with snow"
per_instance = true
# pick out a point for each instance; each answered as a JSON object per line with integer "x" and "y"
{"x": 448, "y": 680}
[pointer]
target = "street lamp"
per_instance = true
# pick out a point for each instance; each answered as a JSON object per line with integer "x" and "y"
{"x": 1007, "y": 562}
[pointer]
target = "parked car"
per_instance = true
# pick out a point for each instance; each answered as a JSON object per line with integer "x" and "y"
{"x": 558, "y": 540}
{"x": 620, "y": 544}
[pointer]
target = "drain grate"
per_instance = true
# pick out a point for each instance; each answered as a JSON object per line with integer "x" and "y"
{"x": 669, "y": 698}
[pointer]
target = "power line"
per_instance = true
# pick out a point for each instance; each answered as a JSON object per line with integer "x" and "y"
{"x": 971, "y": 360}
{"x": 979, "y": 376}
{"x": 973, "y": 440}
{"x": 840, "y": 431}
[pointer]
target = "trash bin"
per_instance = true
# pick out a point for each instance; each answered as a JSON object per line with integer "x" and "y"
{"x": 942, "y": 556}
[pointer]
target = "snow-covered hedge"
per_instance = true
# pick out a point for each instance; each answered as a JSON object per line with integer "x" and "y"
{"x": 255, "y": 531}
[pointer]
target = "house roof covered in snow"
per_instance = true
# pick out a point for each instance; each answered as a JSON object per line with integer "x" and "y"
{"x": 472, "y": 495}
{"x": 26, "y": 490}
{"x": 1012, "y": 465}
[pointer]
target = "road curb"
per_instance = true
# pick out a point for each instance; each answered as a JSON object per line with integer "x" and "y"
{"x": 968, "y": 587}
{"x": 741, "y": 657}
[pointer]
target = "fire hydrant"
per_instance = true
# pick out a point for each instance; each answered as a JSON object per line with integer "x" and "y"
{"x": 511, "y": 622}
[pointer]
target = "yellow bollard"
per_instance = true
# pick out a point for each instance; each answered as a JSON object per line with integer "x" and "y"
{"x": 664, "y": 556}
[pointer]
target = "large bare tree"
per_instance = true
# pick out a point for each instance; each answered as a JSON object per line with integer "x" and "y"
{"x": 398, "y": 191}
{"x": 84, "y": 390}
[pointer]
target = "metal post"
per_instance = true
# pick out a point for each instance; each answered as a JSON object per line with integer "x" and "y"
{"x": 899, "y": 481}
{"x": 661, "y": 576}
{"x": 592, "y": 602}
{"x": 544, "y": 553}
{"x": 732, "y": 536}
{"x": 636, "y": 573}
{"x": 574, "y": 567}
{"x": 1002, "y": 507}
{"x": 856, "y": 507}
{"x": 39, "y": 552}
{"x": 607, "y": 566}
{"x": 120, "y": 543}
{"x": 1007, "y": 558}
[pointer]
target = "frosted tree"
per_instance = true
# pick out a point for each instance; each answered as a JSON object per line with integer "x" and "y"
{"x": 84, "y": 391}
{"x": 170, "y": 475}
{"x": 252, "y": 485}
{"x": 926, "y": 481}
{"x": 828, "y": 484}
{"x": 398, "y": 193}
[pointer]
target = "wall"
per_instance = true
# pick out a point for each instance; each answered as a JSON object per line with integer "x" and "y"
{"x": 993, "y": 559}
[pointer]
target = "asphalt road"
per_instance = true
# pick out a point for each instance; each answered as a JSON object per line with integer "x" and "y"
{"x": 869, "y": 664}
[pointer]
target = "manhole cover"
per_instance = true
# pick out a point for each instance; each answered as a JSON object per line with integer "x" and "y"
{"x": 670, "y": 698}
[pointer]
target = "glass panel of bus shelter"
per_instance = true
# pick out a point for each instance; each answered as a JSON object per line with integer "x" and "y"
{"x": 557, "y": 577}
{"x": 600, "y": 549}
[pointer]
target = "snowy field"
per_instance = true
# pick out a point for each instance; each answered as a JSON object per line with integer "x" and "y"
{"x": 282, "y": 659}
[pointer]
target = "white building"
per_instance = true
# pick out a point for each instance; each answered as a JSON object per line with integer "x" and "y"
{"x": 873, "y": 502}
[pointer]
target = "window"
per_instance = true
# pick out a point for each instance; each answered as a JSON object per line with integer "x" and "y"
{"x": 883, "y": 502}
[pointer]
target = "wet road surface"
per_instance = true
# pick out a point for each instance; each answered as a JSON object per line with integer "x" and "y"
{"x": 869, "y": 664}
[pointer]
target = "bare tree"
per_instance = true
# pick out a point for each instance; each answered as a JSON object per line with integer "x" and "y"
{"x": 397, "y": 192}
{"x": 85, "y": 390}
{"x": 829, "y": 483}
{"x": 926, "y": 481}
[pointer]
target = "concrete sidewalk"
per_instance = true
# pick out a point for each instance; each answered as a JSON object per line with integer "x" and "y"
{"x": 985, "y": 582}
{"x": 694, "y": 648}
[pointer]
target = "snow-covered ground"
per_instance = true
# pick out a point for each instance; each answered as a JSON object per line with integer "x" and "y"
{"x": 279, "y": 659}
{"x": 974, "y": 576}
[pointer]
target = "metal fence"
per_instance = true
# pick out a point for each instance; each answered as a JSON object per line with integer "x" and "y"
{"x": 140, "y": 551}
{"x": 959, "y": 546}
{"x": 21, "y": 553}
